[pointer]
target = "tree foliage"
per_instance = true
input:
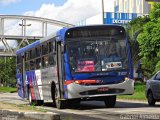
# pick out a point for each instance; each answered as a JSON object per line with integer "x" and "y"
{"x": 155, "y": 12}
{"x": 149, "y": 42}
{"x": 7, "y": 71}
{"x": 134, "y": 29}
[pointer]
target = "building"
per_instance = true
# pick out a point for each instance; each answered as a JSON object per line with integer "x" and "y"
{"x": 121, "y": 12}
{"x": 131, "y": 6}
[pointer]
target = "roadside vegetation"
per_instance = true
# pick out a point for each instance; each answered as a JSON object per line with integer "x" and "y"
{"x": 7, "y": 71}
{"x": 30, "y": 108}
{"x": 8, "y": 89}
{"x": 21, "y": 107}
{"x": 139, "y": 93}
{"x": 144, "y": 34}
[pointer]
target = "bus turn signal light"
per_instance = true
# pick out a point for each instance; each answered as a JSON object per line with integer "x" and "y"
{"x": 67, "y": 82}
{"x": 85, "y": 81}
{"x": 126, "y": 78}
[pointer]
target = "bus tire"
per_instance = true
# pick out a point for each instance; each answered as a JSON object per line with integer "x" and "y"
{"x": 39, "y": 102}
{"x": 31, "y": 102}
{"x": 34, "y": 102}
{"x": 60, "y": 104}
{"x": 110, "y": 101}
{"x": 53, "y": 93}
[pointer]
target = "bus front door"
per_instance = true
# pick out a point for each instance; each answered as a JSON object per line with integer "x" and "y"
{"x": 60, "y": 68}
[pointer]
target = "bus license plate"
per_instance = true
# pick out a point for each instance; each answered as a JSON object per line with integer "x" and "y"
{"x": 103, "y": 89}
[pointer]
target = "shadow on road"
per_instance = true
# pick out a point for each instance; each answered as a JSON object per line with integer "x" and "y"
{"x": 88, "y": 105}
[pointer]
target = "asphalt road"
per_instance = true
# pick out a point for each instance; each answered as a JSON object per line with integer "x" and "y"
{"x": 96, "y": 110}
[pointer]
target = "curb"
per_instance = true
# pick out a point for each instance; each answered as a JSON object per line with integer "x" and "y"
{"x": 13, "y": 115}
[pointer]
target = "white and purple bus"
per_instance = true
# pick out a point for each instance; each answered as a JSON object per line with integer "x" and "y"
{"x": 76, "y": 64}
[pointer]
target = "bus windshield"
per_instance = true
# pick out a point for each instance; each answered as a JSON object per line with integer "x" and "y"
{"x": 95, "y": 54}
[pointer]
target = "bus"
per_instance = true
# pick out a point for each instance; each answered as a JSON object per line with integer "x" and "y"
{"x": 76, "y": 64}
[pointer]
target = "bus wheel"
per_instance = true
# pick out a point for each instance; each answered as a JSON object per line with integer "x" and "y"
{"x": 110, "y": 101}
{"x": 31, "y": 102}
{"x": 34, "y": 102}
{"x": 40, "y": 102}
{"x": 59, "y": 103}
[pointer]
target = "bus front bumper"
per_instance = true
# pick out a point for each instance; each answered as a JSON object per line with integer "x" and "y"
{"x": 75, "y": 91}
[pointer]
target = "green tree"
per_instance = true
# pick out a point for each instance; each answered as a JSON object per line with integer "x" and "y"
{"x": 149, "y": 42}
{"x": 7, "y": 71}
{"x": 155, "y": 12}
{"x": 134, "y": 29}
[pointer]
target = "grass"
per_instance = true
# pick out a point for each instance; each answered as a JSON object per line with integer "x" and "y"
{"x": 8, "y": 89}
{"x": 21, "y": 107}
{"x": 33, "y": 108}
{"x": 139, "y": 93}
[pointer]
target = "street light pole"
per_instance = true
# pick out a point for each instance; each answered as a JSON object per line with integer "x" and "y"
{"x": 24, "y": 27}
{"x": 102, "y": 12}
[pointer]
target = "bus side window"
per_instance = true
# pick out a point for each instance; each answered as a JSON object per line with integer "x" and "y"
{"x": 52, "y": 52}
{"x": 38, "y": 63}
{"x": 52, "y": 59}
{"x": 19, "y": 61}
{"x": 54, "y": 46}
{"x": 50, "y": 46}
{"x": 38, "y": 51}
{"x": 44, "y": 48}
{"x": 32, "y": 65}
{"x": 19, "y": 58}
{"x": 45, "y": 61}
{"x": 26, "y": 56}
{"x": 32, "y": 54}
{"x": 19, "y": 70}
{"x": 26, "y": 66}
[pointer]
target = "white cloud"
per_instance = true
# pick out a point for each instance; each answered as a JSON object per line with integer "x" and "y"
{"x": 71, "y": 12}
{"x": 5, "y": 2}
{"x": 108, "y": 5}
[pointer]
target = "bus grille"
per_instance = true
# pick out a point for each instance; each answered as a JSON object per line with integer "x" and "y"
{"x": 96, "y": 92}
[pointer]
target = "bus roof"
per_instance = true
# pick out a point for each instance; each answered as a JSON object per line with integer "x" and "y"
{"x": 35, "y": 44}
{"x": 58, "y": 33}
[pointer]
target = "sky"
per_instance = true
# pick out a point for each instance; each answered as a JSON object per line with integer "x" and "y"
{"x": 62, "y": 10}
{"x": 69, "y": 11}
{"x": 20, "y": 6}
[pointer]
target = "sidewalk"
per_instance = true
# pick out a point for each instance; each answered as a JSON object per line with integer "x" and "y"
{"x": 14, "y": 108}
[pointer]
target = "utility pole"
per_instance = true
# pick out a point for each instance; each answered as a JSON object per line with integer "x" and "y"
{"x": 102, "y": 11}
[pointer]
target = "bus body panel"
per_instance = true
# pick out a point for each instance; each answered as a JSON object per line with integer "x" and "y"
{"x": 39, "y": 82}
{"x": 20, "y": 85}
